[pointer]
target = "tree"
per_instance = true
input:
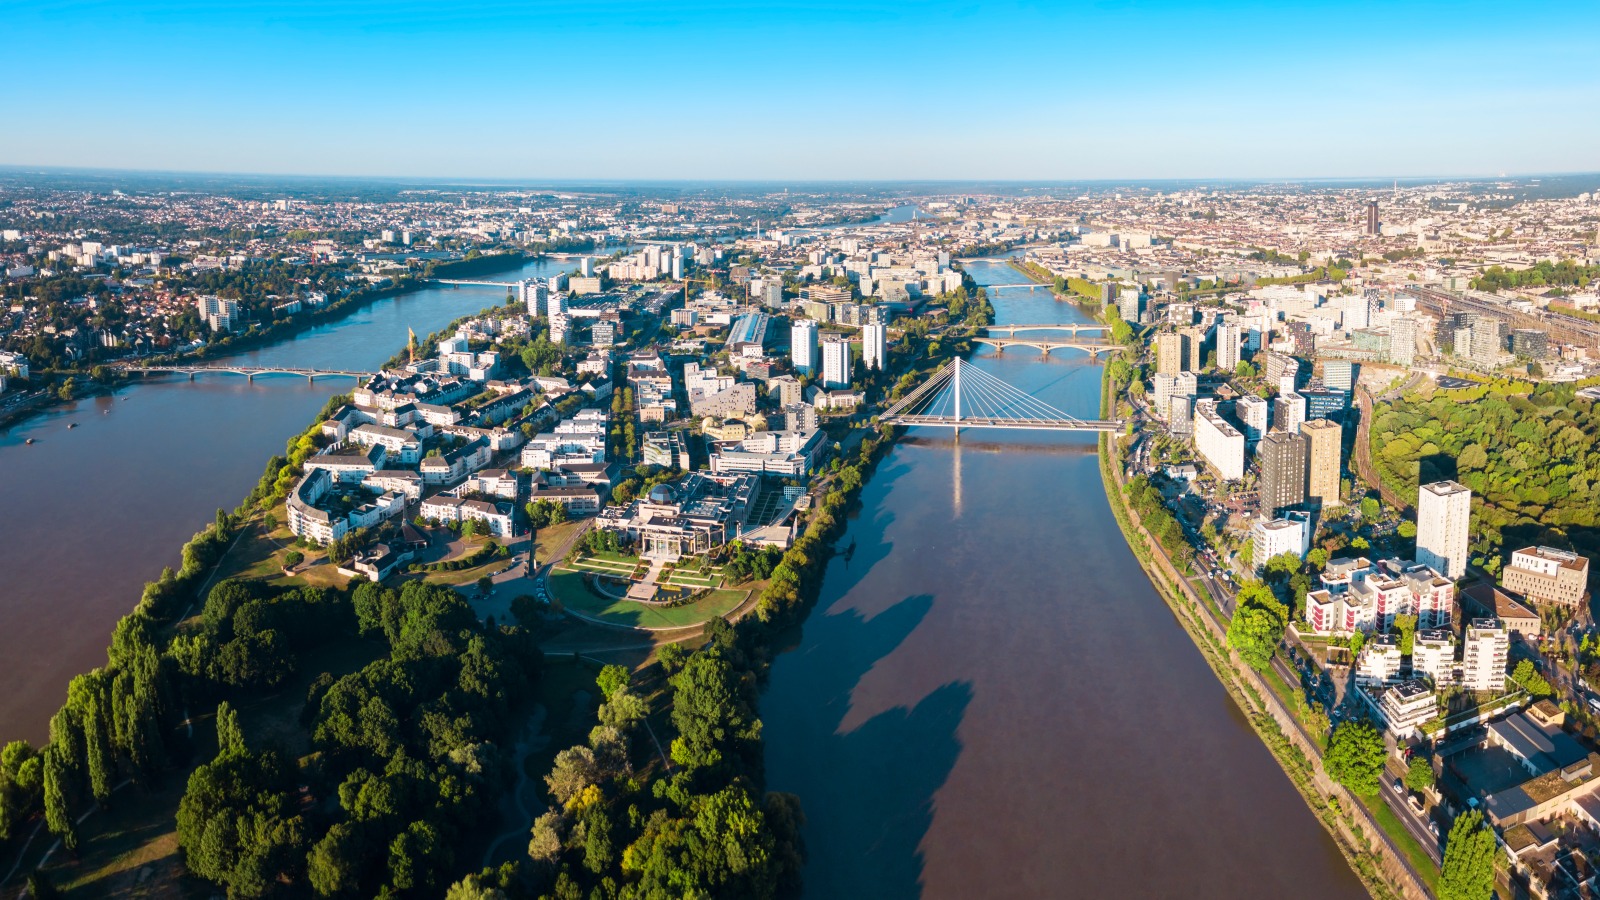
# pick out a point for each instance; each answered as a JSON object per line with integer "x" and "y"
{"x": 1370, "y": 509}
{"x": 1469, "y": 854}
{"x": 56, "y": 814}
{"x": 1407, "y": 530}
{"x": 613, "y": 678}
{"x": 21, "y": 778}
{"x": 1419, "y": 774}
{"x": 1355, "y": 757}
{"x": 1406, "y": 626}
{"x": 575, "y": 768}
{"x": 1529, "y": 679}
{"x": 709, "y": 715}
{"x": 1257, "y": 625}
{"x": 293, "y": 558}
{"x": 671, "y": 657}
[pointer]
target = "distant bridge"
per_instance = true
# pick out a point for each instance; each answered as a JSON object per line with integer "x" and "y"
{"x": 982, "y": 401}
{"x": 1030, "y": 286}
{"x": 249, "y": 372}
{"x": 459, "y": 281}
{"x": 1011, "y": 330}
{"x": 1093, "y": 348}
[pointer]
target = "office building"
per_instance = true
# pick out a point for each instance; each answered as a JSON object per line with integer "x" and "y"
{"x": 1252, "y": 414}
{"x": 1324, "y": 439}
{"x": 1372, "y": 219}
{"x": 1444, "y": 510}
{"x": 1218, "y": 443}
{"x": 1324, "y": 403}
{"x": 1130, "y": 304}
{"x": 803, "y": 346}
{"x": 1339, "y": 374}
{"x": 1530, "y": 343}
{"x": 875, "y": 346}
{"x": 1483, "y": 656}
{"x": 1282, "y": 456}
{"x": 1547, "y": 575}
{"x": 836, "y": 363}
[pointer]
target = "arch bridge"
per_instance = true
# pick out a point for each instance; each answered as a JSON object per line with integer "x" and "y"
{"x": 1093, "y": 348}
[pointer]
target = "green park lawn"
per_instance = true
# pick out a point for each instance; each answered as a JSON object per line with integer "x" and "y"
{"x": 568, "y": 587}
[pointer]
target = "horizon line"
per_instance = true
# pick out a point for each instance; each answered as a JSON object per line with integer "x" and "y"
{"x": 531, "y": 181}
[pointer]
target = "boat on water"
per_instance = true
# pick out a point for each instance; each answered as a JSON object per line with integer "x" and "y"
{"x": 71, "y": 425}
{"x": 28, "y": 441}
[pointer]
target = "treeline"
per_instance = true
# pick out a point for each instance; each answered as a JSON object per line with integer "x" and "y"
{"x": 474, "y": 263}
{"x": 1157, "y": 519}
{"x": 1566, "y": 273}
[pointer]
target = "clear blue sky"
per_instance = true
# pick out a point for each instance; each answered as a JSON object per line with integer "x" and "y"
{"x": 813, "y": 90}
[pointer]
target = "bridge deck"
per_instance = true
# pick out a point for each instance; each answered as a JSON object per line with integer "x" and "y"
{"x": 1019, "y": 424}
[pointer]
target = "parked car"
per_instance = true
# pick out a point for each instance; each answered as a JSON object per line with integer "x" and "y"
{"x": 1399, "y": 787}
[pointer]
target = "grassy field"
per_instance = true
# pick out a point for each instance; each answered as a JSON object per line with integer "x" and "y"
{"x": 569, "y": 588}
{"x": 1415, "y": 854}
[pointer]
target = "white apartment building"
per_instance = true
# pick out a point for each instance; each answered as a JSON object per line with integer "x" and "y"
{"x": 875, "y": 346}
{"x": 1380, "y": 661}
{"x": 1229, "y": 338}
{"x": 1407, "y": 706}
{"x": 1483, "y": 657}
{"x": 1433, "y": 653}
{"x": 1219, "y": 443}
{"x": 1357, "y": 595}
{"x": 836, "y": 363}
{"x": 1252, "y": 413}
{"x": 1444, "y": 510}
{"x": 1269, "y": 539}
{"x": 496, "y": 518}
{"x": 803, "y": 346}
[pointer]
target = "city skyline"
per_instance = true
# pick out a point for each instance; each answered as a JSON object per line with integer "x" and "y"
{"x": 643, "y": 92}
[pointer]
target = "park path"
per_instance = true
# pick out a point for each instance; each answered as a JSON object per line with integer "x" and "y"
{"x": 533, "y": 738}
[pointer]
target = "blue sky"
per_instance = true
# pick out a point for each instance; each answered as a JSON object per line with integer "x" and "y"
{"x": 816, "y": 90}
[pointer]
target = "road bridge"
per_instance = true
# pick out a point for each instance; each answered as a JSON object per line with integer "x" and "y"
{"x": 249, "y": 372}
{"x": 461, "y": 281}
{"x": 1093, "y": 348}
{"x": 1011, "y": 330}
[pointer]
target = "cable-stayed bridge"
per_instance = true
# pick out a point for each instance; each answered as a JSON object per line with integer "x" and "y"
{"x": 961, "y": 395}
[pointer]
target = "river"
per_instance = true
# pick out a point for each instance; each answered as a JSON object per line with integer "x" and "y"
{"x": 94, "y": 512}
{"x": 990, "y": 700}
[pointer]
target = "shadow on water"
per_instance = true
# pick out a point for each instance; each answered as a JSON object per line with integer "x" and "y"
{"x": 872, "y": 783}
